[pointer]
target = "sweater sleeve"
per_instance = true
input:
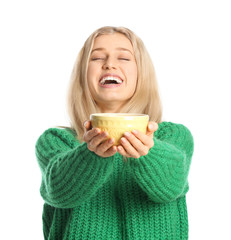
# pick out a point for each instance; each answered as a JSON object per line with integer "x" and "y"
{"x": 163, "y": 172}
{"x": 71, "y": 173}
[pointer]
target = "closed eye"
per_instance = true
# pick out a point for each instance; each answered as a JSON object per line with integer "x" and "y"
{"x": 125, "y": 59}
{"x": 95, "y": 59}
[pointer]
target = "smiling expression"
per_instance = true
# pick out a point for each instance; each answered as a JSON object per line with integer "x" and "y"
{"x": 112, "y": 71}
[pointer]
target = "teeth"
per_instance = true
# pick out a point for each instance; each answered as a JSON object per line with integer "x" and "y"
{"x": 110, "y": 78}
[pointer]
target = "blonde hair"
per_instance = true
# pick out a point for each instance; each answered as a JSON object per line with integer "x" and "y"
{"x": 145, "y": 100}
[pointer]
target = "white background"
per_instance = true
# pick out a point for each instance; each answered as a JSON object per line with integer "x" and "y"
{"x": 189, "y": 42}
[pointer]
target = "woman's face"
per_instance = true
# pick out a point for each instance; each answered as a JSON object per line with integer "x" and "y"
{"x": 112, "y": 71}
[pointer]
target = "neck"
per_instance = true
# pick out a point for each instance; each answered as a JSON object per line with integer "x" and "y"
{"x": 110, "y": 108}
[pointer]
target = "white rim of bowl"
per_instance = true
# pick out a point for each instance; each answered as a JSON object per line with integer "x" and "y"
{"x": 119, "y": 115}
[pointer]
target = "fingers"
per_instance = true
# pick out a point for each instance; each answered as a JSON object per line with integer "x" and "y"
{"x": 89, "y": 134}
{"x": 131, "y": 146}
{"x": 106, "y": 149}
{"x": 144, "y": 139}
{"x": 122, "y": 151}
{"x": 127, "y": 150}
{"x": 98, "y": 141}
{"x": 102, "y": 146}
{"x": 94, "y": 143}
{"x": 137, "y": 144}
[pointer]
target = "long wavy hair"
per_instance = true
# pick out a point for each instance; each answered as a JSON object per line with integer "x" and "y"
{"x": 145, "y": 100}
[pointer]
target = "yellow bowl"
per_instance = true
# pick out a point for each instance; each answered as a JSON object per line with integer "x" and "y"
{"x": 116, "y": 124}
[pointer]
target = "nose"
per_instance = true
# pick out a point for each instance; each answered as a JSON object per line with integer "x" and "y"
{"x": 109, "y": 64}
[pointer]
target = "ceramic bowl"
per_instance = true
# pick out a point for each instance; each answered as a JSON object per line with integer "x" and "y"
{"x": 116, "y": 124}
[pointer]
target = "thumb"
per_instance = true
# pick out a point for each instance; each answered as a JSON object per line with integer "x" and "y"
{"x": 152, "y": 127}
{"x": 87, "y": 125}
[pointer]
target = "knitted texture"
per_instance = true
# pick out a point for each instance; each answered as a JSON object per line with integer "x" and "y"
{"x": 88, "y": 197}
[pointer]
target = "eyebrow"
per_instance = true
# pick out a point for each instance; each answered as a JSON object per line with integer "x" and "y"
{"x": 119, "y": 49}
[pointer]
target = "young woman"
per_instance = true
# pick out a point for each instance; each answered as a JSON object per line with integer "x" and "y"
{"x": 90, "y": 192}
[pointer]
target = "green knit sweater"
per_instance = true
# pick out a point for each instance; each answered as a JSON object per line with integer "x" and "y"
{"x": 89, "y": 197}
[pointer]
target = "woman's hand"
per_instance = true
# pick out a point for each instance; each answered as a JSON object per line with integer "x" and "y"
{"x": 98, "y": 142}
{"x": 137, "y": 144}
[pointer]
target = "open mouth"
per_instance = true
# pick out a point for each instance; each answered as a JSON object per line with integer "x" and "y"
{"x": 110, "y": 80}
